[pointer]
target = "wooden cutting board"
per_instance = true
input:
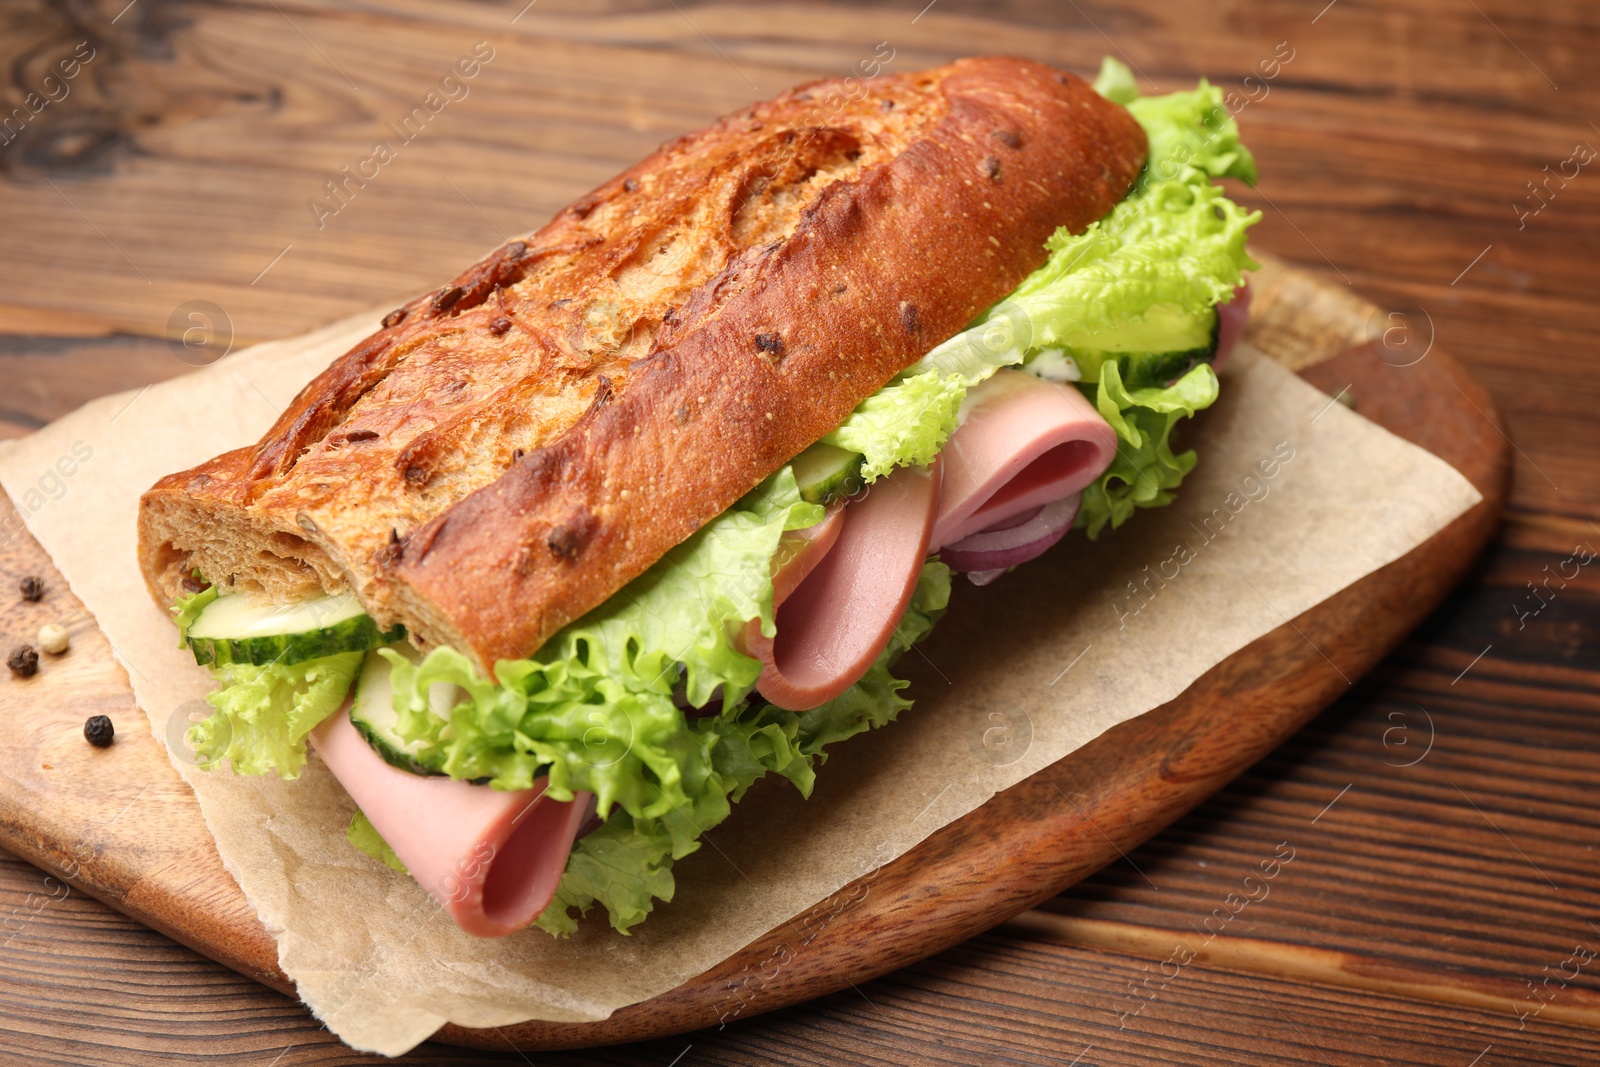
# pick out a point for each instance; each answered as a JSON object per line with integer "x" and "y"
{"x": 120, "y": 824}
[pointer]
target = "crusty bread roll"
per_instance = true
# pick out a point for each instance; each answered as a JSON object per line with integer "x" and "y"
{"x": 508, "y": 451}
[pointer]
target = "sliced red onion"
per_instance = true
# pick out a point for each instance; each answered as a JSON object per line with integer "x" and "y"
{"x": 1016, "y": 520}
{"x": 985, "y": 577}
{"x": 680, "y": 697}
{"x": 995, "y": 550}
{"x": 1231, "y": 320}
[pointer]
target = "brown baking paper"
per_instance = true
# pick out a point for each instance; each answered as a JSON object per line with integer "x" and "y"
{"x": 1295, "y": 498}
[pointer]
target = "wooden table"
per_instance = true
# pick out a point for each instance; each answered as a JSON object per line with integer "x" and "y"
{"x": 1442, "y": 903}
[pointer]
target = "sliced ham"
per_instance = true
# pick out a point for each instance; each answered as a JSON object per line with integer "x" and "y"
{"x": 1232, "y": 318}
{"x": 800, "y": 551}
{"x": 836, "y": 613}
{"x": 1023, "y": 443}
{"x": 491, "y": 859}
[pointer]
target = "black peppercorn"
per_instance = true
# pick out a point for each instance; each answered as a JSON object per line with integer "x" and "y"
{"x": 32, "y": 589}
{"x": 99, "y": 732}
{"x": 24, "y": 661}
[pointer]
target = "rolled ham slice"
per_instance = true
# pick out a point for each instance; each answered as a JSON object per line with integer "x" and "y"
{"x": 491, "y": 859}
{"x": 1023, "y": 443}
{"x": 835, "y": 617}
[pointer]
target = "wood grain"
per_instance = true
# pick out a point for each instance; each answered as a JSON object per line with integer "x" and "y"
{"x": 1392, "y": 150}
{"x": 1006, "y": 997}
{"x": 200, "y": 119}
{"x": 1438, "y": 865}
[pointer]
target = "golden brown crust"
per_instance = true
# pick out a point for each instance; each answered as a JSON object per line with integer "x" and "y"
{"x": 540, "y": 431}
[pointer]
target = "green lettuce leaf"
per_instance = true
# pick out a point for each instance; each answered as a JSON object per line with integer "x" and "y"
{"x": 595, "y": 711}
{"x": 1174, "y": 248}
{"x": 1115, "y": 82}
{"x": 905, "y": 423}
{"x": 1144, "y": 471}
{"x": 1131, "y": 301}
{"x": 186, "y": 609}
{"x": 264, "y": 713}
{"x": 365, "y": 837}
{"x": 1137, "y": 288}
{"x": 626, "y": 864}
{"x": 1185, "y": 129}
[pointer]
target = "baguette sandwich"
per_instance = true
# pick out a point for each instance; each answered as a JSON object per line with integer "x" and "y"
{"x": 644, "y": 506}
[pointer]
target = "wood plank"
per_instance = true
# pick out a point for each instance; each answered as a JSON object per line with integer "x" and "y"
{"x": 50, "y": 376}
{"x": 206, "y": 119}
{"x": 1003, "y": 998}
{"x": 1472, "y": 870}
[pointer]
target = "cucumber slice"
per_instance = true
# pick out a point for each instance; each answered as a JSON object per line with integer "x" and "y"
{"x": 826, "y": 472}
{"x": 1153, "y": 370}
{"x": 1138, "y": 370}
{"x": 231, "y": 629}
{"x": 372, "y": 712}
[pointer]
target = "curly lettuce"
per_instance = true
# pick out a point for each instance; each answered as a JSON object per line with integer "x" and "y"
{"x": 904, "y": 423}
{"x": 365, "y": 837}
{"x": 1127, "y": 308}
{"x": 1136, "y": 291}
{"x": 1145, "y": 470}
{"x": 263, "y": 713}
{"x": 186, "y": 609}
{"x": 626, "y": 864}
{"x": 595, "y": 711}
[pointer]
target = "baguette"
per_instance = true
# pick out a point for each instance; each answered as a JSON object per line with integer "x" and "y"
{"x": 507, "y": 452}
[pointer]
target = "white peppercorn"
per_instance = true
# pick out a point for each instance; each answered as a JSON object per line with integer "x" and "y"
{"x": 53, "y": 638}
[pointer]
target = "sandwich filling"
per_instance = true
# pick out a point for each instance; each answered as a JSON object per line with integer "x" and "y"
{"x": 578, "y": 776}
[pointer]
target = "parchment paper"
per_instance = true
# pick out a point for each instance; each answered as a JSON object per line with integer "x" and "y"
{"x": 1294, "y": 498}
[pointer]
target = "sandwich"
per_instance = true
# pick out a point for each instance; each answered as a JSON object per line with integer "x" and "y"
{"x": 645, "y": 506}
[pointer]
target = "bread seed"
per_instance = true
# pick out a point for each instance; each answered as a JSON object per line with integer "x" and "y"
{"x": 563, "y": 543}
{"x": 908, "y": 316}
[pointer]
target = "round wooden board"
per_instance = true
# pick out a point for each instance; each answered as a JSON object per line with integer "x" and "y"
{"x": 121, "y": 826}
